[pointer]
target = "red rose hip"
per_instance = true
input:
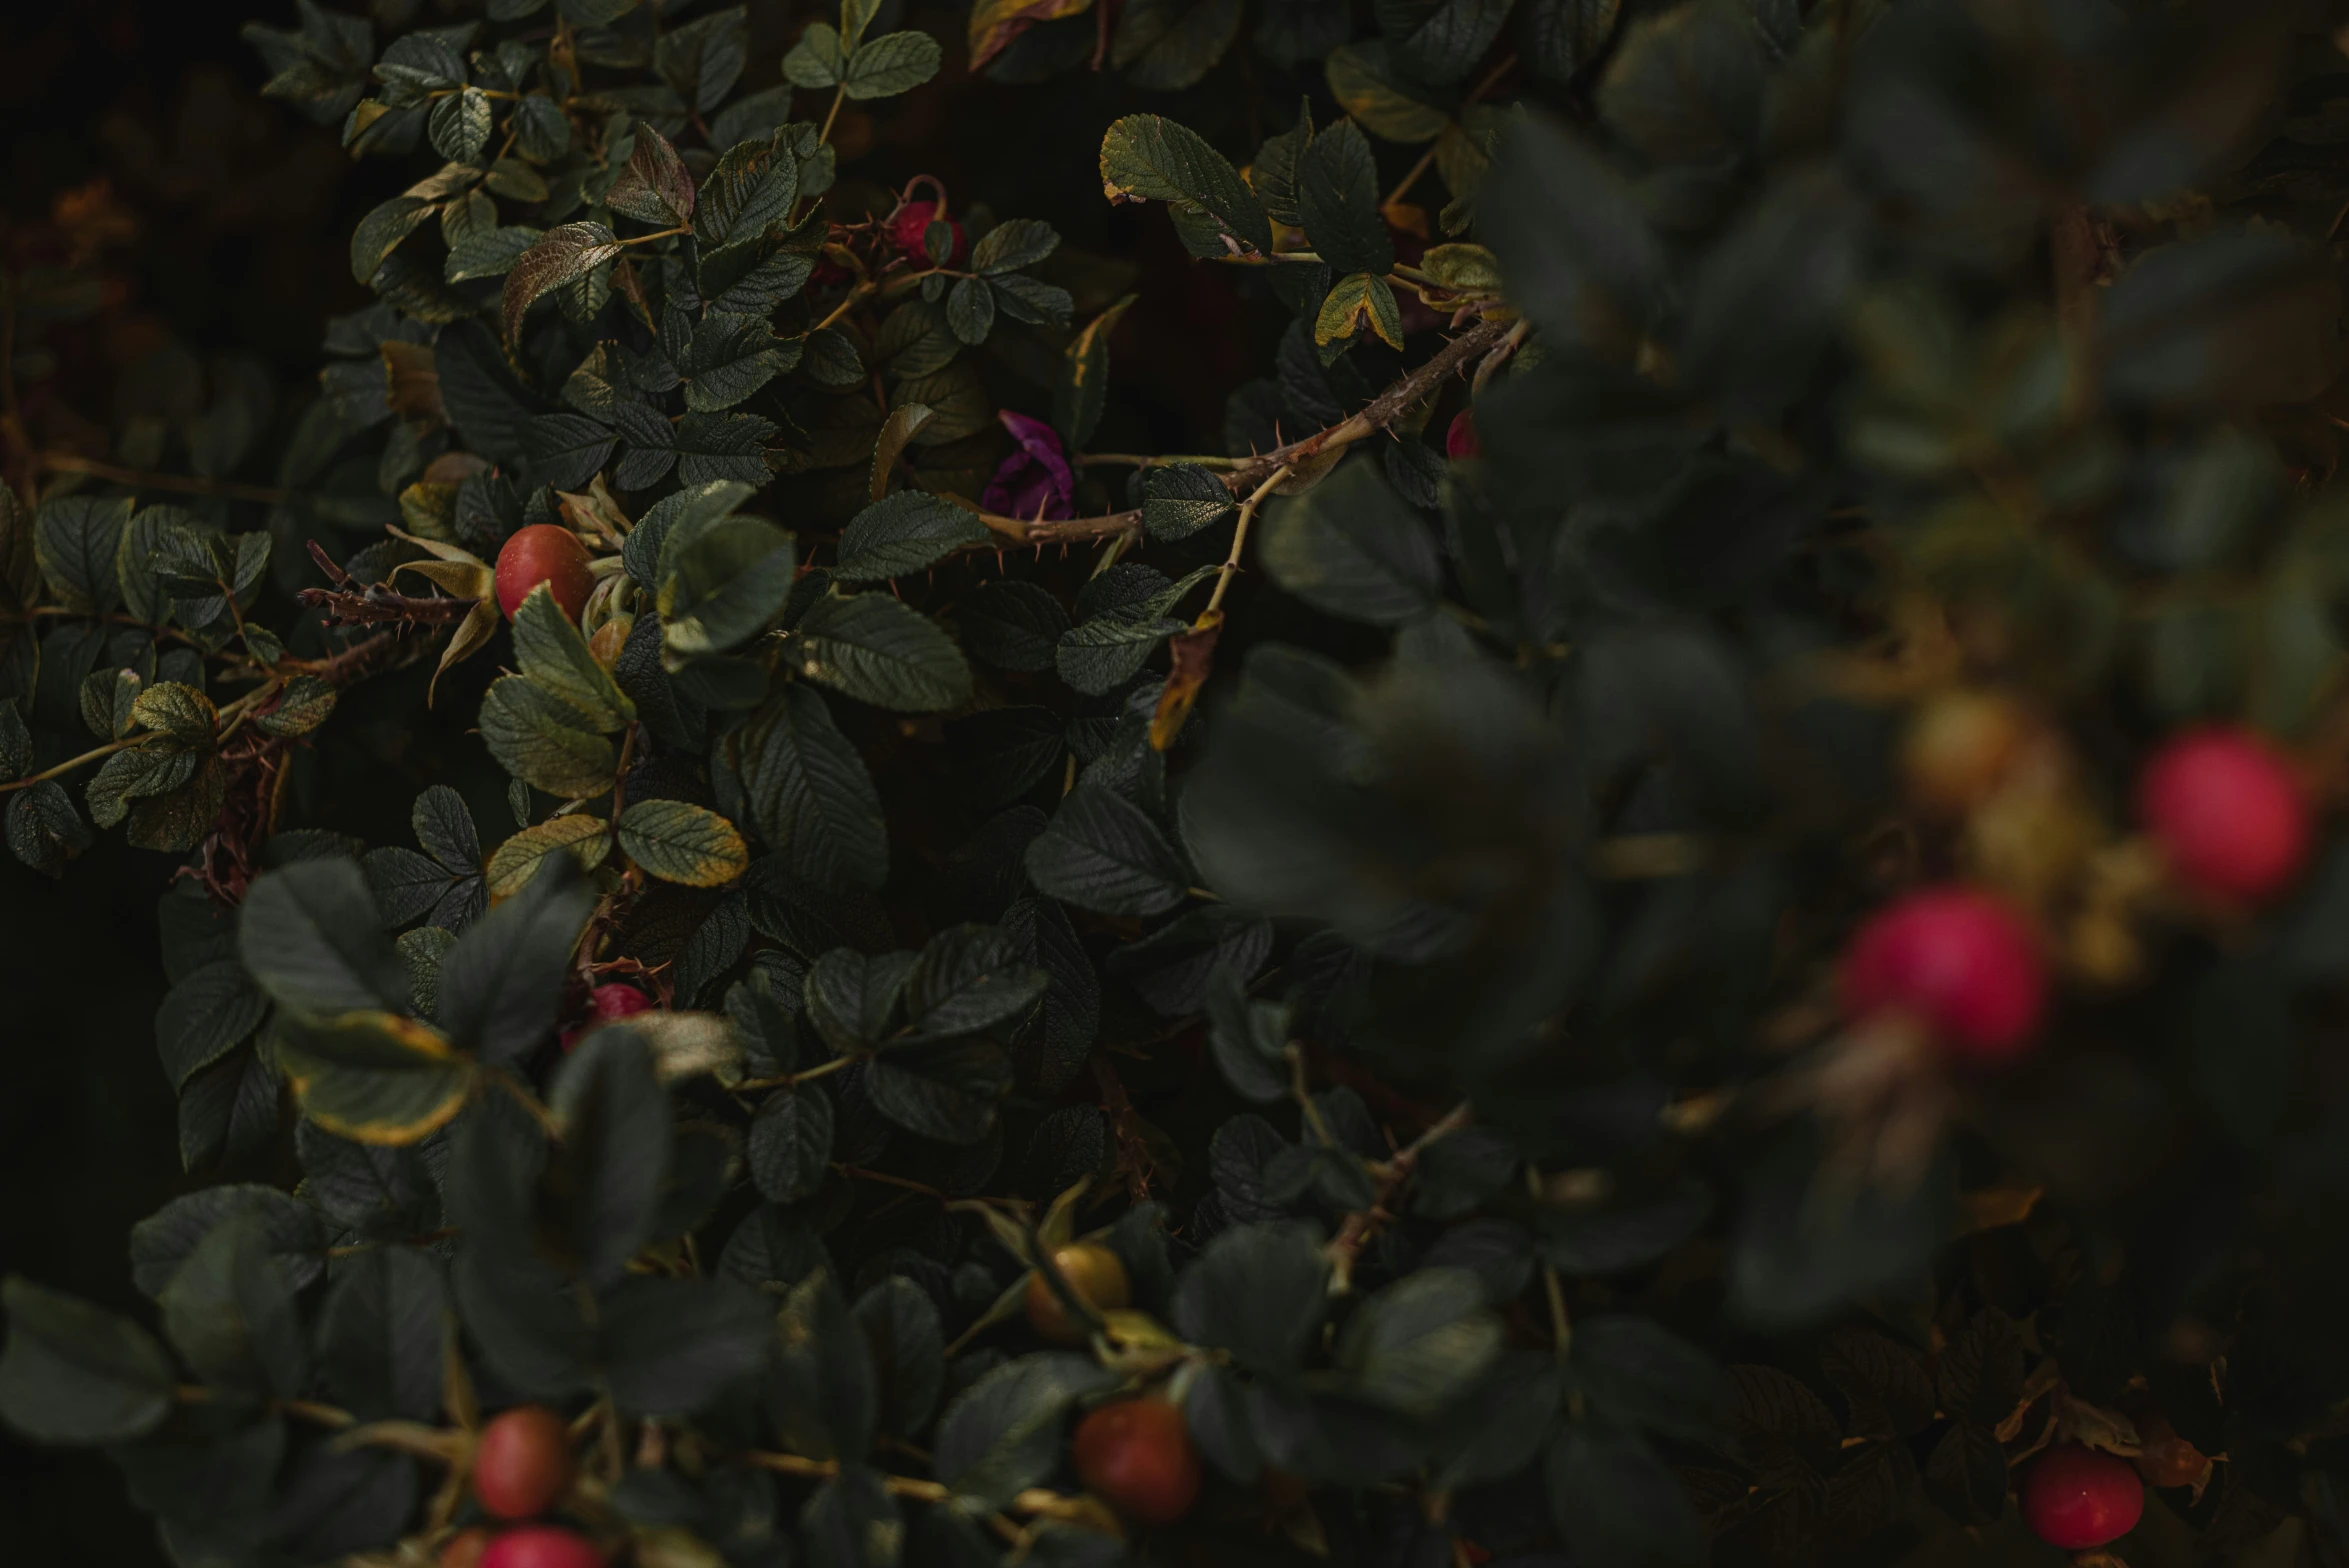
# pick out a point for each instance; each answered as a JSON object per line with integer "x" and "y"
{"x": 1460, "y": 438}
{"x": 542, "y": 1546}
{"x": 1136, "y": 1455}
{"x": 522, "y": 1463}
{"x": 606, "y": 1004}
{"x": 1958, "y": 960}
{"x": 2227, "y": 812}
{"x": 2078, "y": 1498}
{"x": 912, "y": 223}
{"x": 544, "y": 553}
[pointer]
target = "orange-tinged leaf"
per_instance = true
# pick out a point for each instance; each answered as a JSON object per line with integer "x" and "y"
{"x": 995, "y": 23}
{"x": 1193, "y": 653}
{"x": 373, "y": 1077}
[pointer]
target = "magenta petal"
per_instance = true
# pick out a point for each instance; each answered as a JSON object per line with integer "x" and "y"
{"x": 1035, "y": 481}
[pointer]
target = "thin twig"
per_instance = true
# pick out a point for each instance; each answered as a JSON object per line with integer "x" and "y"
{"x": 1355, "y": 1233}
{"x": 182, "y": 484}
{"x": 1245, "y": 474}
{"x": 1231, "y": 562}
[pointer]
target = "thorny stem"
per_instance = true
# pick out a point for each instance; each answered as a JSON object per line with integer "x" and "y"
{"x": 231, "y": 716}
{"x": 1363, "y": 1224}
{"x": 1137, "y": 460}
{"x": 1231, "y": 562}
{"x": 1246, "y": 473}
{"x": 1302, "y": 1091}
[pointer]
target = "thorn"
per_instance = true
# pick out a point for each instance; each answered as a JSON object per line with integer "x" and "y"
{"x": 1000, "y": 568}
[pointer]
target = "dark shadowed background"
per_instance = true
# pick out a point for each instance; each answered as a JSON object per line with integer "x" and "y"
{"x": 238, "y": 206}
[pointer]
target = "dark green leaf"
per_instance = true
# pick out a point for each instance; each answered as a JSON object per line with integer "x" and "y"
{"x": 877, "y": 649}
{"x": 1338, "y": 197}
{"x": 72, "y": 1373}
{"x": 1101, "y": 852}
{"x": 500, "y": 985}
{"x": 791, "y": 1143}
{"x": 1259, "y": 1291}
{"x": 310, "y": 935}
{"x": 904, "y": 533}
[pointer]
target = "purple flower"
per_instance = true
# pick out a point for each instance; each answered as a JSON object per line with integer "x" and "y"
{"x": 1035, "y": 481}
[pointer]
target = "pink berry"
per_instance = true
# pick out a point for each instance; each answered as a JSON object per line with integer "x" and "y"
{"x": 606, "y": 1003}
{"x": 2228, "y": 814}
{"x": 542, "y": 1546}
{"x": 522, "y": 1462}
{"x": 1460, "y": 439}
{"x": 544, "y": 553}
{"x": 1956, "y": 959}
{"x": 912, "y": 222}
{"x": 2078, "y": 1498}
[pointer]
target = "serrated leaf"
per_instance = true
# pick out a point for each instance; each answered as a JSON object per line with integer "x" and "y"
{"x": 513, "y": 863}
{"x": 904, "y": 533}
{"x": 1145, "y": 156}
{"x": 1102, "y": 852}
{"x": 1013, "y": 244}
{"x": 890, "y": 64}
{"x": 654, "y": 185}
{"x": 970, "y": 310}
{"x": 1338, "y": 197}
{"x": 877, "y": 649}
{"x": 76, "y": 540}
{"x": 968, "y": 978}
{"x": 44, "y": 829}
{"x": 553, "y": 655}
{"x": 813, "y": 797}
{"x": 545, "y": 741}
{"x": 681, "y": 842}
{"x": 564, "y": 254}
{"x": 723, "y": 579}
{"x": 1180, "y": 499}
{"x": 750, "y": 191}
{"x": 372, "y": 1077}
{"x": 791, "y": 1143}
{"x": 306, "y": 703}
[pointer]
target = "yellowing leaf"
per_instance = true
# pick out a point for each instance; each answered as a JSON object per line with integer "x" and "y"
{"x": 1354, "y": 299}
{"x": 513, "y": 863}
{"x": 553, "y": 655}
{"x": 681, "y": 842}
{"x": 995, "y": 23}
{"x": 373, "y": 1077}
{"x": 181, "y": 712}
{"x": 544, "y": 740}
